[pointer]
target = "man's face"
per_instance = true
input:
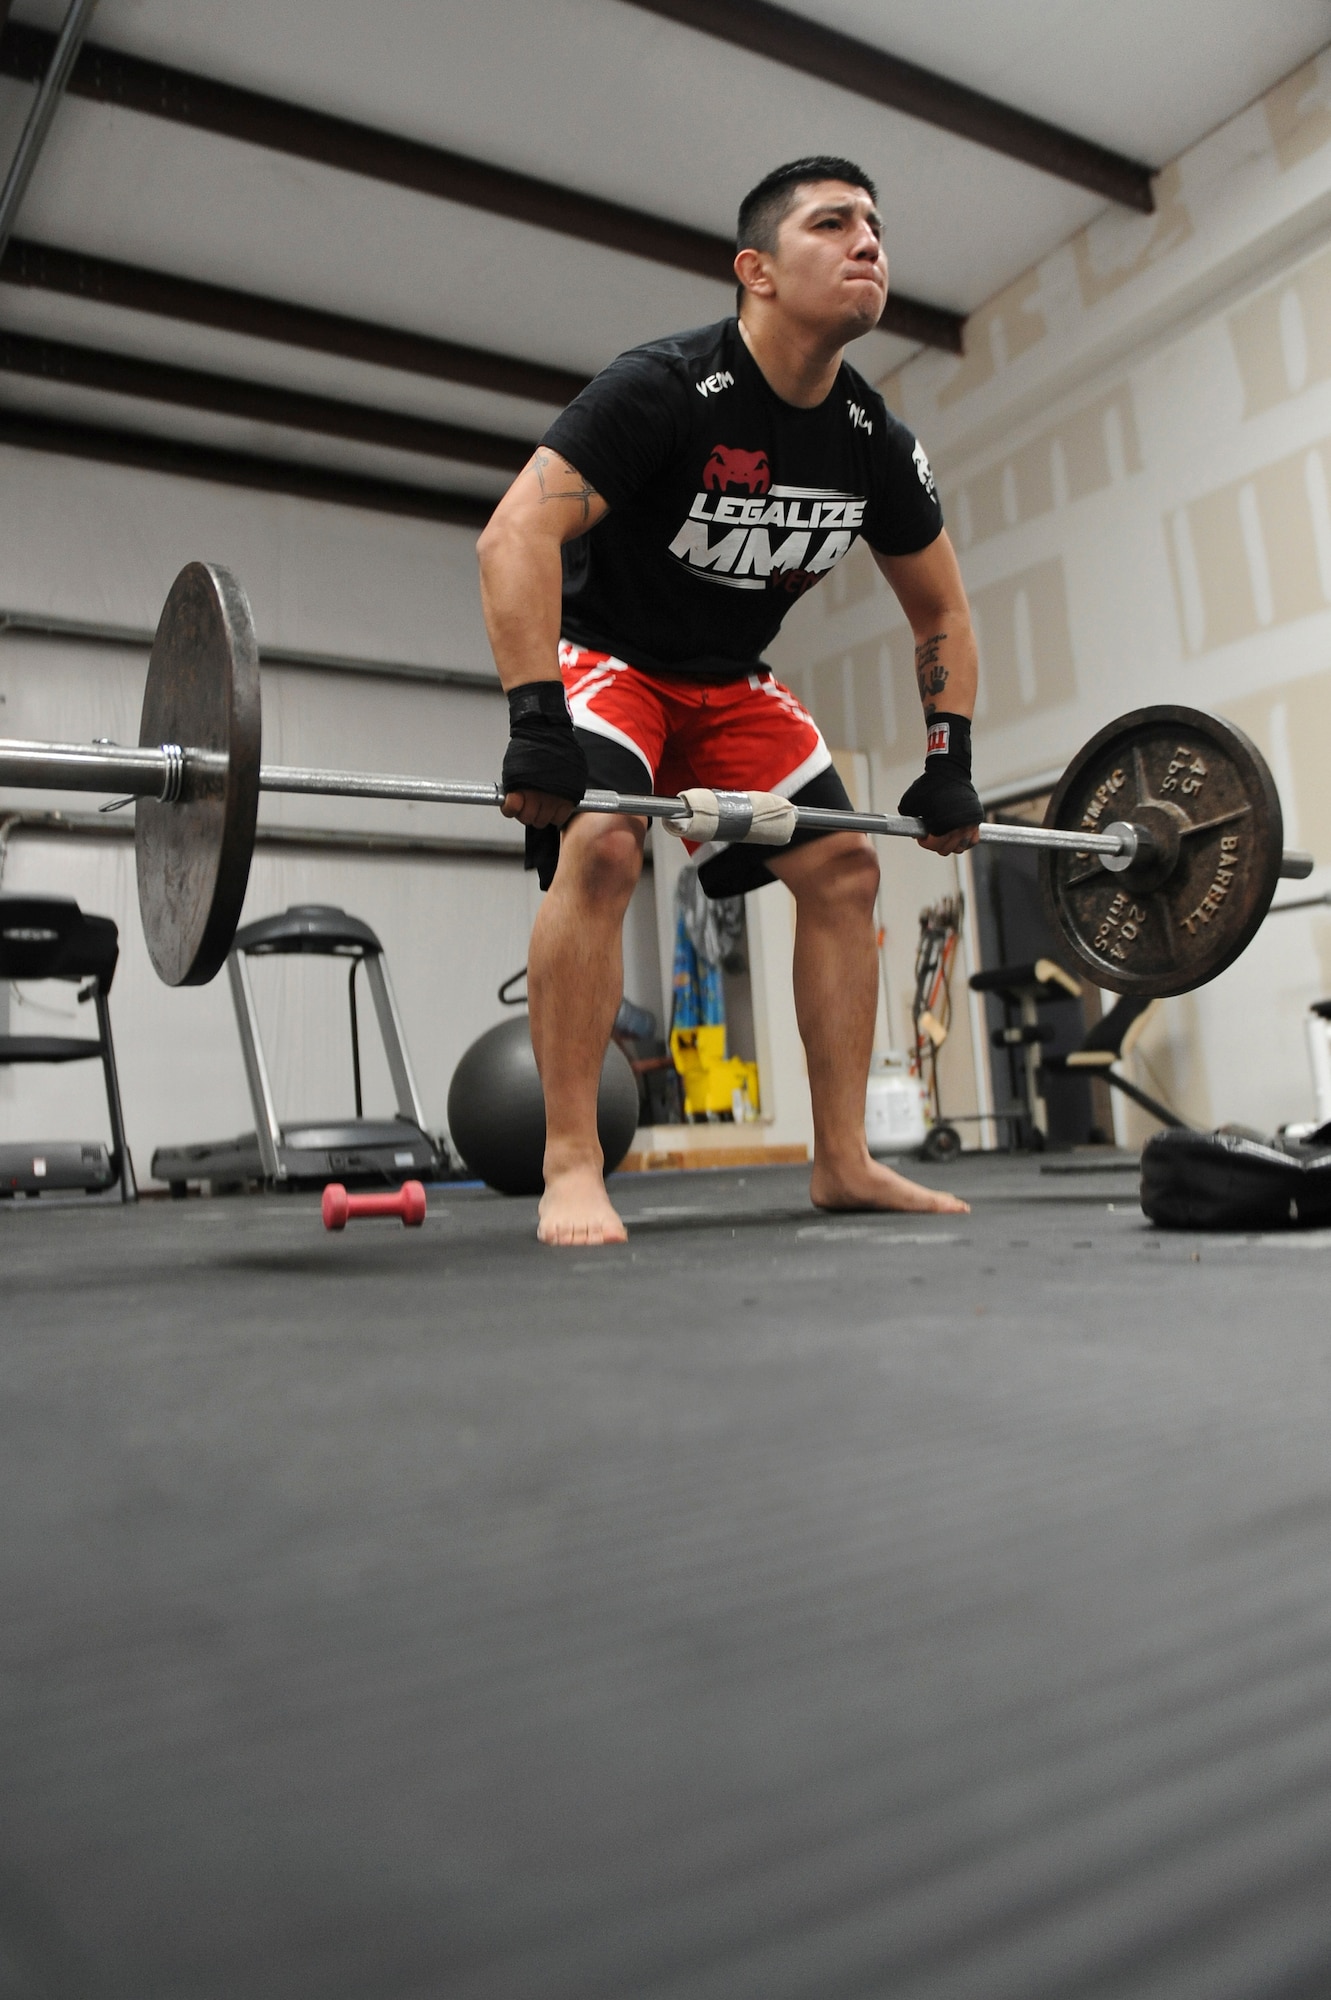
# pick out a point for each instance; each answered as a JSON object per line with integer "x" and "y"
{"x": 830, "y": 268}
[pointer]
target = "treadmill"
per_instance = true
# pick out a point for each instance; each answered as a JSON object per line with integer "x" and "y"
{"x": 359, "y": 1151}
{"x": 50, "y": 937}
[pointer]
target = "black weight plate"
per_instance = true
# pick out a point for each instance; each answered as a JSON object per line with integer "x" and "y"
{"x": 1202, "y": 788}
{"x": 193, "y": 857}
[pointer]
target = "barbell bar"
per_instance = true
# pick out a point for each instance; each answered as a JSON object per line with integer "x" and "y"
{"x": 1159, "y": 855}
{"x": 167, "y": 772}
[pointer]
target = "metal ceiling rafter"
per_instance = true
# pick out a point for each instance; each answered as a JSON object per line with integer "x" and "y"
{"x": 259, "y": 402}
{"x": 799, "y": 43}
{"x": 254, "y": 118}
{"x": 64, "y": 52}
{"x": 138, "y": 289}
{"x": 149, "y": 453}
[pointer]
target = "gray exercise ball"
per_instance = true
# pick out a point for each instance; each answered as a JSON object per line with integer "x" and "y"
{"x": 496, "y": 1113}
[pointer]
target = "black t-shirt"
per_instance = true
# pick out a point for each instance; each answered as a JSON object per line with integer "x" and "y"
{"x": 726, "y": 503}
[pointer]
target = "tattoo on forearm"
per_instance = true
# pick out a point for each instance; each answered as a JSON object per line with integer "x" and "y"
{"x": 549, "y": 463}
{"x": 930, "y": 672}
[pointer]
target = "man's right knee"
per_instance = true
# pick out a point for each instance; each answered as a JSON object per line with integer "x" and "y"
{"x": 601, "y": 855}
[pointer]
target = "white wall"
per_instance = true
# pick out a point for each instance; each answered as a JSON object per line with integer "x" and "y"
{"x": 104, "y": 542}
{"x": 1135, "y": 462}
{"x": 89, "y": 542}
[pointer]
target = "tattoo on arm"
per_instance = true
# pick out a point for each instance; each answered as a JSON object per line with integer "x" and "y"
{"x": 930, "y": 672}
{"x": 553, "y": 473}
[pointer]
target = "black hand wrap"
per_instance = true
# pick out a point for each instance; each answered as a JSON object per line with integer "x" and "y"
{"x": 944, "y": 798}
{"x": 543, "y": 754}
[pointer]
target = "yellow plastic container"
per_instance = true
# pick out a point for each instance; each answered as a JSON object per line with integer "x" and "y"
{"x": 714, "y": 1083}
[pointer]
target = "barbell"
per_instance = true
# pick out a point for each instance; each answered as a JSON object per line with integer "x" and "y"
{"x": 1159, "y": 855}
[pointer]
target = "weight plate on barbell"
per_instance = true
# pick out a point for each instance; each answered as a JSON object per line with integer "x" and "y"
{"x": 194, "y": 856}
{"x": 1185, "y": 911}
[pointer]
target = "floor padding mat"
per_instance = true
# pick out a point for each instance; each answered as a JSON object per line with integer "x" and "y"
{"x": 781, "y": 1607}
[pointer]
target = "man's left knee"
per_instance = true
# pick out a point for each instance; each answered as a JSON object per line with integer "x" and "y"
{"x": 841, "y": 868}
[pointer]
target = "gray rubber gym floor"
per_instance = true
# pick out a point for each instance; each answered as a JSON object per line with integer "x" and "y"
{"x": 782, "y": 1608}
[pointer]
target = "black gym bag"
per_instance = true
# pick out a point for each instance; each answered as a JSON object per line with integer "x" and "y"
{"x": 1216, "y": 1180}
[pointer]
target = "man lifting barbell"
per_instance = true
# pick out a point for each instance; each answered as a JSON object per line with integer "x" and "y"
{"x": 680, "y": 506}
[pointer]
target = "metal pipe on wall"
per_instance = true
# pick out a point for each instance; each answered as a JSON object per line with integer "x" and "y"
{"x": 33, "y": 137}
{"x": 310, "y": 839}
{"x": 98, "y": 632}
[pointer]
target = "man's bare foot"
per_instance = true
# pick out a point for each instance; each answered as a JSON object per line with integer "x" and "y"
{"x": 868, "y": 1184}
{"x": 576, "y": 1210}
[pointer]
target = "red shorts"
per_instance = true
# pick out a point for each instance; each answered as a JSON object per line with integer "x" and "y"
{"x": 744, "y": 735}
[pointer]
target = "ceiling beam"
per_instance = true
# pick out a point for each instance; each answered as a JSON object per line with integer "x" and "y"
{"x": 138, "y": 289}
{"x": 806, "y": 45}
{"x": 110, "y": 77}
{"x": 236, "y": 468}
{"x": 231, "y": 396}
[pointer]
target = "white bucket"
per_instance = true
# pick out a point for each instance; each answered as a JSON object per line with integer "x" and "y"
{"x": 894, "y": 1106}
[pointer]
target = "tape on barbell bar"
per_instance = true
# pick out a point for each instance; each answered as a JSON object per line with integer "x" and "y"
{"x": 774, "y": 819}
{"x": 705, "y": 813}
{"x": 763, "y": 818}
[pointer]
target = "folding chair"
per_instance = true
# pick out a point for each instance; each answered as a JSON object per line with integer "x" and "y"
{"x": 1109, "y": 1043}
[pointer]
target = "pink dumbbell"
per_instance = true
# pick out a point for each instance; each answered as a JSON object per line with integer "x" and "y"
{"x": 339, "y": 1206}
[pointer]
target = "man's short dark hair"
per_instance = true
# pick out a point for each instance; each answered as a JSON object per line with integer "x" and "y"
{"x": 765, "y": 207}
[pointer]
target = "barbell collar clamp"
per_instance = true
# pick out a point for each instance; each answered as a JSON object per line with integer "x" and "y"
{"x": 1134, "y": 844}
{"x": 173, "y": 774}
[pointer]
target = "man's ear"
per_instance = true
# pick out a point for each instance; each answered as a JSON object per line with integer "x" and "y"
{"x": 754, "y": 273}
